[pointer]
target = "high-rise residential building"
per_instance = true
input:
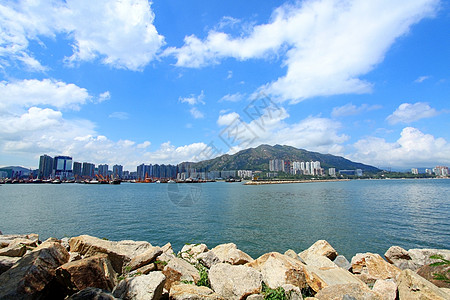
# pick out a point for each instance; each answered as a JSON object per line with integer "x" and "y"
{"x": 276, "y": 165}
{"x": 428, "y": 171}
{"x": 414, "y": 171}
{"x": 332, "y": 172}
{"x": 117, "y": 171}
{"x": 441, "y": 171}
{"x": 88, "y": 170}
{"x": 62, "y": 166}
{"x": 103, "y": 170}
{"x": 45, "y": 166}
{"x": 76, "y": 169}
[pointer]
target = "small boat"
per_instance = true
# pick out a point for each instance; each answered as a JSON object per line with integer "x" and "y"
{"x": 56, "y": 181}
{"x": 93, "y": 181}
{"x": 158, "y": 181}
{"x": 115, "y": 181}
{"x": 171, "y": 181}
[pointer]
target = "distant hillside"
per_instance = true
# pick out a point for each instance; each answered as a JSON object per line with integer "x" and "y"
{"x": 258, "y": 159}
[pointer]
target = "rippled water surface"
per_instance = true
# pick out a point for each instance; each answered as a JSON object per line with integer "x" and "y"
{"x": 354, "y": 216}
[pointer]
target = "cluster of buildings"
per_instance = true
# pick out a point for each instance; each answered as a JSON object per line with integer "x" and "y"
{"x": 305, "y": 168}
{"x": 440, "y": 171}
{"x": 65, "y": 167}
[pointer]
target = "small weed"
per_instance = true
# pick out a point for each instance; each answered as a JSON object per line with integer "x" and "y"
{"x": 443, "y": 262}
{"x": 187, "y": 281}
{"x": 203, "y": 272}
{"x": 273, "y": 294}
{"x": 105, "y": 239}
{"x": 164, "y": 263}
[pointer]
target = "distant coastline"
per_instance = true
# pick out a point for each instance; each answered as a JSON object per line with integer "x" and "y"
{"x": 259, "y": 182}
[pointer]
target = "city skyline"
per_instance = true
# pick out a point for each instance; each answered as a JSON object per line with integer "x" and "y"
{"x": 137, "y": 81}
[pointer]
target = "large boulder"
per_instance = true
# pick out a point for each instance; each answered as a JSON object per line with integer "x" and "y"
{"x": 413, "y": 259}
{"x": 387, "y": 288}
{"x": 7, "y": 239}
{"x": 342, "y": 262}
{"x": 229, "y": 253}
{"x": 95, "y": 271}
{"x": 178, "y": 270}
{"x": 319, "y": 278}
{"x": 322, "y": 248}
{"x": 350, "y": 291}
{"x": 319, "y": 261}
{"x": 28, "y": 278}
{"x": 119, "y": 253}
{"x": 6, "y": 262}
{"x": 235, "y": 281}
{"x": 208, "y": 259}
{"x": 16, "y": 250}
{"x": 370, "y": 267}
{"x": 144, "y": 258}
{"x": 293, "y": 254}
{"x": 428, "y": 272}
{"x": 144, "y": 287}
{"x": 278, "y": 269}
{"x": 413, "y": 286}
{"x": 190, "y": 252}
{"x": 192, "y": 292}
{"x": 92, "y": 294}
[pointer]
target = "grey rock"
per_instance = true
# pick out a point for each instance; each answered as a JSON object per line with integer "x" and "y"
{"x": 229, "y": 253}
{"x": 413, "y": 259}
{"x": 144, "y": 258}
{"x": 192, "y": 292}
{"x": 6, "y": 262}
{"x": 293, "y": 254}
{"x": 144, "y": 287}
{"x": 342, "y": 262}
{"x": 208, "y": 259}
{"x": 413, "y": 286}
{"x": 190, "y": 252}
{"x": 179, "y": 270}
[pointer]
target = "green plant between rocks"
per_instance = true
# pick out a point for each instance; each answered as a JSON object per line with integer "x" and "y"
{"x": 442, "y": 262}
{"x": 273, "y": 294}
{"x": 203, "y": 272}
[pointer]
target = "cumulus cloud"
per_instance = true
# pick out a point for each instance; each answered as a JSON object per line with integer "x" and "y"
{"x": 351, "y": 109}
{"x": 48, "y": 92}
{"x": 192, "y": 99}
{"x": 408, "y": 112}
{"x": 124, "y": 35}
{"x": 326, "y": 45}
{"x": 413, "y": 149}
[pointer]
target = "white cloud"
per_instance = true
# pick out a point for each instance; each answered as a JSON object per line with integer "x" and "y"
{"x": 407, "y": 113}
{"x": 232, "y": 97}
{"x": 49, "y": 92}
{"x": 192, "y": 99}
{"x": 230, "y": 75}
{"x": 350, "y": 109}
{"x": 421, "y": 79}
{"x": 413, "y": 149}
{"x": 312, "y": 133}
{"x": 196, "y": 113}
{"x": 124, "y": 35}
{"x": 104, "y": 96}
{"x": 120, "y": 115}
{"x": 326, "y": 45}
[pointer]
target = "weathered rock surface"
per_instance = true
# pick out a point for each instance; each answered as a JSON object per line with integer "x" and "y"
{"x": 144, "y": 287}
{"x": 92, "y": 294}
{"x": 146, "y": 269}
{"x": 235, "y": 281}
{"x": 428, "y": 272}
{"x": 322, "y": 248}
{"x": 192, "y": 292}
{"x": 6, "y": 239}
{"x": 119, "y": 253}
{"x": 6, "y": 262}
{"x": 319, "y": 261}
{"x": 17, "y": 250}
{"x": 144, "y": 258}
{"x": 292, "y": 292}
{"x": 74, "y": 256}
{"x": 278, "y": 269}
{"x": 370, "y": 267}
{"x": 348, "y": 291}
{"x": 413, "y": 286}
{"x": 167, "y": 248}
{"x": 256, "y": 297}
{"x": 177, "y": 270}
{"x": 30, "y": 275}
{"x": 208, "y": 259}
{"x": 386, "y": 288}
{"x": 293, "y": 254}
{"x": 319, "y": 278}
{"x": 229, "y": 253}
{"x": 413, "y": 259}
{"x": 190, "y": 252}
{"x": 342, "y": 262}
{"x": 95, "y": 271}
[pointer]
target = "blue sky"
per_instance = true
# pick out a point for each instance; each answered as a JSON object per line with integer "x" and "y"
{"x": 131, "y": 82}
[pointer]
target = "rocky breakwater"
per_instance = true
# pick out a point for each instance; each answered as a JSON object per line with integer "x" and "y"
{"x": 86, "y": 267}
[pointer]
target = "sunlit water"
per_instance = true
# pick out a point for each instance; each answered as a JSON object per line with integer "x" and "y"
{"x": 354, "y": 216}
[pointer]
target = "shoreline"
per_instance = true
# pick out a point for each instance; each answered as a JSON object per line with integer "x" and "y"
{"x": 292, "y": 181}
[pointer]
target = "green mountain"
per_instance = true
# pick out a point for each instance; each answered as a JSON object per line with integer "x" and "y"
{"x": 258, "y": 159}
